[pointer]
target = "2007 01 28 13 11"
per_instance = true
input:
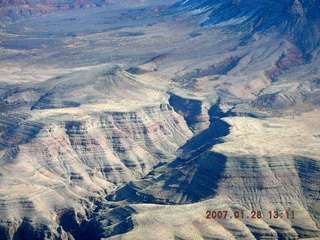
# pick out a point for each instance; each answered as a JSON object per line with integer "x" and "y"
{"x": 254, "y": 214}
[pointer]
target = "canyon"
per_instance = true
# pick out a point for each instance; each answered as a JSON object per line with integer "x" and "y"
{"x": 138, "y": 120}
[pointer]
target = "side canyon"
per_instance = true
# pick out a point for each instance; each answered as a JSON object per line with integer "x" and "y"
{"x": 141, "y": 120}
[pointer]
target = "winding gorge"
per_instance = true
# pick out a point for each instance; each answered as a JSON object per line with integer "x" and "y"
{"x": 167, "y": 120}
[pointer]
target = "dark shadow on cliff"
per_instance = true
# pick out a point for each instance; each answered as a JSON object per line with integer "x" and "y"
{"x": 193, "y": 176}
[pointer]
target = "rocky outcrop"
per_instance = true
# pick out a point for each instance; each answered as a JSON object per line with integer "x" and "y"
{"x": 296, "y": 91}
{"x": 84, "y": 158}
{"x": 255, "y": 187}
{"x": 236, "y": 180}
{"x": 194, "y": 111}
{"x": 298, "y": 19}
{"x": 73, "y": 155}
{"x": 134, "y": 141}
{"x": 99, "y": 152}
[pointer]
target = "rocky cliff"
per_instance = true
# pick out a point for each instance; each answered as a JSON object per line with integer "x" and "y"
{"x": 77, "y": 160}
{"x": 73, "y": 157}
{"x": 296, "y": 19}
{"x": 237, "y": 180}
{"x": 198, "y": 121}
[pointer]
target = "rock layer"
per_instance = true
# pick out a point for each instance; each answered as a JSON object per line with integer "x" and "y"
{"x": 234, "y": 181}
{"x": 84, "y": 145}
{"x": 72, "y": 156}
{"x": 79, "y": 159}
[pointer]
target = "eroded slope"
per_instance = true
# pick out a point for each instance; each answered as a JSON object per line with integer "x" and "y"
{"x": 74, "y": 127}
{"x": 73, "y": 155}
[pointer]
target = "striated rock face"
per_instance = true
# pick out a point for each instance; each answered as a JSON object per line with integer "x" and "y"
{"x": 77, "y": 159}
{"x": 248, "y": 184}
{"x": 195, "y": 112}
{"x": 184, "y": 179}
{"x": 295, "y": 91}
{"x": 218, "y": 111}
{"x": 121, "y": 146}
{"x": 238, "y": 180}
{"x": 73, "y": 156}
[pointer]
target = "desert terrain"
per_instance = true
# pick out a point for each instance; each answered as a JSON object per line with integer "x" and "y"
{"x": 167, "y": 120}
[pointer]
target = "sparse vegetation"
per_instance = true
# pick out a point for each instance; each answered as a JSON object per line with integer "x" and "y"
{"x": 104, "y": 109}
